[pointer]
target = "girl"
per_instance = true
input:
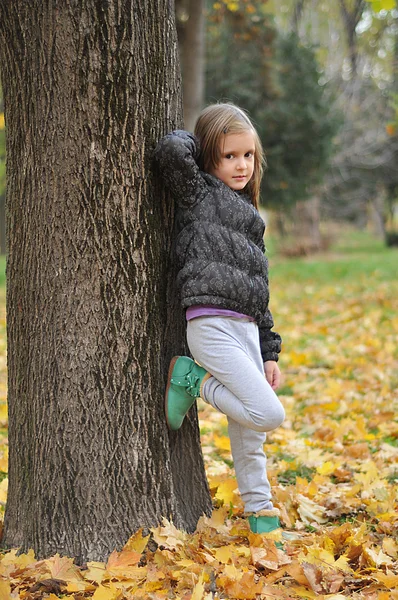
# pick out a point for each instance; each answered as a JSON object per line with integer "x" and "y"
{"x": 215, "y": 178}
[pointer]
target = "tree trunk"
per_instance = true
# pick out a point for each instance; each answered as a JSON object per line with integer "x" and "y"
{"x": 307, "y": 225}
{"x": 297, "y": 15}
{"x": 93, "y": 316}
{"x": 351, "y": 17}
{"x": 191, "y": 32}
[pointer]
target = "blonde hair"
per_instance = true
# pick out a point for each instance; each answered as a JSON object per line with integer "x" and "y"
{"x": 216, "y": 121}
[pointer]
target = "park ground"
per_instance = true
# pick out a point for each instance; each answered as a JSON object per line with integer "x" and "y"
{"x": 333, "y": 464}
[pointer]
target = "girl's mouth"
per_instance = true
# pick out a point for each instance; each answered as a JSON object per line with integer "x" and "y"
{"x": 239, "y": 177}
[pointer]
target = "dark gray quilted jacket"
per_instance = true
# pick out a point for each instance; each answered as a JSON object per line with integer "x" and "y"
{"x": 219, "y": 243}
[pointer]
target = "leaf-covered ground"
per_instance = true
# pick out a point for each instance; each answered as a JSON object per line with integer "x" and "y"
{"x": 333, "y": 464}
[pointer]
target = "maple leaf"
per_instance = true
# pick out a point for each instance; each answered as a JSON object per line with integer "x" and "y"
{"x": 376, "y": 557}
{"x": 228, "y": 492}
{"x": 168, "y": 535}
{"x": 244, "y": 588}
{"x": 121, "y": 560}
{"x": 62, "y": 567}
{"x": 309, "y": 511}
{"x": 388, "y": 579}
{"x": 107, "y": 593}
{"x": 137, "y": 542}
{"x": 198, "y": 590}
{"x": 390, "y": 546}
{"x": 95, "y": 571}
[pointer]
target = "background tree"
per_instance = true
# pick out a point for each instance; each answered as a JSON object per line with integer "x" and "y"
{"x": 359, "y": 185}
{"x": 190, "y": 16}
{"x": 92, "y": 315}
{"x": 276, "y": 79}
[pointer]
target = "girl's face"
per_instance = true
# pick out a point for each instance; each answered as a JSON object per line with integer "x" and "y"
{"x": 236, "y": 165}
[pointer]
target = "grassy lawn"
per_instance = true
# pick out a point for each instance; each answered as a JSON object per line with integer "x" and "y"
{"x": 355, "y": 256}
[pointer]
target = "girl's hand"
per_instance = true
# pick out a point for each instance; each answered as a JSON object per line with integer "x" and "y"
{"x": 272, "y": 374}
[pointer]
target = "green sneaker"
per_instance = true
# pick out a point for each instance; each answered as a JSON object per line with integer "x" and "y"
{"x": 183, "y": 387}
{"x": 266, "y": 523}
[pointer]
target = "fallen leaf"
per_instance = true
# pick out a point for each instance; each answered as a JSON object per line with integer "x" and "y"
{"x": 5, "y": 590}
{"x": 107, "y": 593}
{"x": 137, "y": 542}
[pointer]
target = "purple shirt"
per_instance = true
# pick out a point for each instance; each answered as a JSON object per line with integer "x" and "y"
{"x": 207, "y": 310}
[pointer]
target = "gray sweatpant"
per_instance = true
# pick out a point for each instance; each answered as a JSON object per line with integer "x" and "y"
{"x": 229, "y": 349}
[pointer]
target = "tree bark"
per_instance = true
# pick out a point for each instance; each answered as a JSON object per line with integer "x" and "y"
{"x": 191, "y": 35}
{"x": 93, "y": 315}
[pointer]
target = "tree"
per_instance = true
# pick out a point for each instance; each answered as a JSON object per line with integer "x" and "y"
{"x": 191, "y": 36}
{"x": 275, "y": 78}
{"x": 351, "y": 17}
{"x": 93, "y": 317}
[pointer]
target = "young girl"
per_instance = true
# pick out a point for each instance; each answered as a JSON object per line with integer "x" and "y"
{"x": 215, "y": 178}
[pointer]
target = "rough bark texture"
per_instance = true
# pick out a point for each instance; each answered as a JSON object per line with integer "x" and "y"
{"x": 191, "y": 35}
{"x": 93, "y": 318}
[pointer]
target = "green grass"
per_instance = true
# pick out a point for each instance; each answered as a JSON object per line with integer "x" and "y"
{"x": 357, "y": 255}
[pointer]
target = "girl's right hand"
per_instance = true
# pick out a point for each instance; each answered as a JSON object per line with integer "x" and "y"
{"x": 272, "y": 374}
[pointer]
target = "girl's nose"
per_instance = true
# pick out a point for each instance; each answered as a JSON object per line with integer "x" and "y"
{"x": 242, "y": 163}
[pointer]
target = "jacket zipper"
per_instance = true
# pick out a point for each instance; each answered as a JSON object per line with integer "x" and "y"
{"x": 251, "y": 262}
{"x": 250, "y": 275}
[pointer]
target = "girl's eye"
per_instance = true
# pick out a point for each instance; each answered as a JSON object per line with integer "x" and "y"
{"x": 249, "y": 154}
{"x": 229, "y": 156}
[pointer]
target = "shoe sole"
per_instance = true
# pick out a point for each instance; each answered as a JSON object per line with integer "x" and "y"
{"x": 171, "y": 367}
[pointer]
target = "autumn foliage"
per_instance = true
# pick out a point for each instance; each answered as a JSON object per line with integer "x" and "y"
{"x": 333, "y": 466}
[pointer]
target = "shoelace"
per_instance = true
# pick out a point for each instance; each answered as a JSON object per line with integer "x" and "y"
{"x": 190, "y": 382}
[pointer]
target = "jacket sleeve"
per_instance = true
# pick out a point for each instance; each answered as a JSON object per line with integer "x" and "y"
{"x": 270, "y": 341}
{"x": 176, "y": 155}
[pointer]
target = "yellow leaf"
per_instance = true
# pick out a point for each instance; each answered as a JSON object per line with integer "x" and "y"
{"x": 62, "y": 567}
{"x": 168, "y": 536}
{"x": 223, "y": 554}
{"x": 328, "y": 467}
{"x": 3, "y": 490}
{"x": 325, "y": 559}
{"x": 21, "y": 561}
{"x": 121, "y": 560}
{"x": 218, "y": 517}
{"x": 390, "y": 547}
{"x": 5, "y": 590}
{"x": 4, "y": 461}
{"x": 309, "y": 511}
{"x": 304, "y": 592}
{"x": 107, "y": 593}
{"x": 222, "y": 443}
{"x": 137, "y": 542}
{"x": 227, "y": 491}
{"x": 246, "y": 588}
{"x": 377, "y": 557}
{"x": 198, "y": 590}
{"x": 81, "y": 586}
{"x": 389, "y": 580}
{"x": 95, "y": 571}
{"x": 2, "y": 123}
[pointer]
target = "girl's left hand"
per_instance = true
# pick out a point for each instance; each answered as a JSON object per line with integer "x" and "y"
{"x": 272, "y": 374}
